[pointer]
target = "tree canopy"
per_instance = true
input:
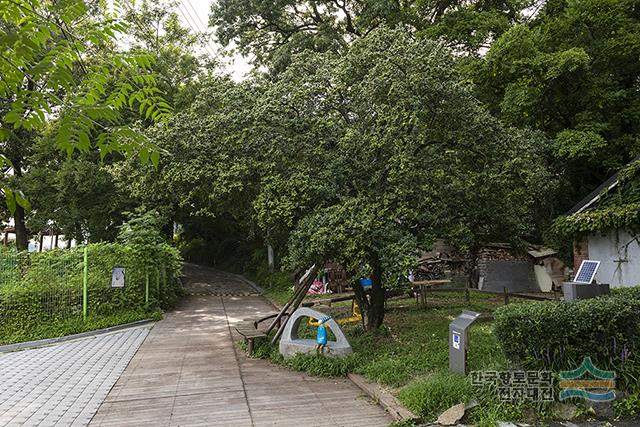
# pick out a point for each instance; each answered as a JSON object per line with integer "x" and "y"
{"x": 571, "y": 72}
{"x": 367, "y": 130}
{"x": 274, "y": 31}
{"x": 361, "y": 158}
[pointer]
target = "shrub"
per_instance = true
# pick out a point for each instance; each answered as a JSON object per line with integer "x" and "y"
{"x": 277, "y": 285}
{"x": 557, "y": 335}
{"x": 48, "y": 286}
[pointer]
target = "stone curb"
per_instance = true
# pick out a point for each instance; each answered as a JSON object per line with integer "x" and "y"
{"x": 383, "y": 398}
{"x": 257, "y": 288}
{"x": 49, "y": 341}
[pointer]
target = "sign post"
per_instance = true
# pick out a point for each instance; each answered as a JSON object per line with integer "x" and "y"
{"x": 85, "y": 277}
{"x": 459, "y": 341}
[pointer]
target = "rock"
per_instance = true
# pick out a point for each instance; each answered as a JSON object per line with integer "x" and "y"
{"x": 530, "y": 415}
{"x": 452, "y": 415}
{"x": 506, "y": 424}
{"x": 566, "y": 411}
{"x": 471, "y": 404}
{"x": 602, "y": 410}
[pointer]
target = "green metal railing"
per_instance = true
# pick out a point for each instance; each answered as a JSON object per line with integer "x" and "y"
{"x": 65, "y": 285}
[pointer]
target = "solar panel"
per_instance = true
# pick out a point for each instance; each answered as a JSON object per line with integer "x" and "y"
{"x": 587, "y": 271}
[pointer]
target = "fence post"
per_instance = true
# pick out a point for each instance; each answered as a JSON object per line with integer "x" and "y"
{"x": 84, "y": 286}
{"x": 146, "y": 289}
{"x": 158, "y": 284}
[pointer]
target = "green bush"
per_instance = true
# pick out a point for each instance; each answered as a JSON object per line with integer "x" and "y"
{"x": 159, "y": 264}
{"x": 557, "y": 335}
{"x": 47, "y": 288}
{"x": 277, "y": 285}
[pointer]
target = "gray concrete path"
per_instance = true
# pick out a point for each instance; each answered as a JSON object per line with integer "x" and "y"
{"x": 190, "y": 372}
{"x": 63, "y": 384}
{"x": 200, "y": 280}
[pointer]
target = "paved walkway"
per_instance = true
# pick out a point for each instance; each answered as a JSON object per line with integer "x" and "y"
{"x": 189, "y": 372}
{"x": 200, "y": 280}
{"x": 63, "y": 384}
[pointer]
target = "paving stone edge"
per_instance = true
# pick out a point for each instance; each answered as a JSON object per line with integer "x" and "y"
{"x": 257, "y": 288}
{"x": 50, "y": 341}
{"x": 386, "y": 400}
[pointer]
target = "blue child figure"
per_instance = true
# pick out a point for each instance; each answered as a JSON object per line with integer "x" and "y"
{"x": 321, "y": 337}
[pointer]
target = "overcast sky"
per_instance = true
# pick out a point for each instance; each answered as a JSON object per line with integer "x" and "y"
{"x": 195, "y": 14}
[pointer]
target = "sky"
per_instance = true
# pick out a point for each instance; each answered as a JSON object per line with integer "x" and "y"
{"x": 194, "y": 14}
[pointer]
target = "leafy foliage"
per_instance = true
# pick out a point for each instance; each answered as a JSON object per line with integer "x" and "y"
{"x": 76, "y": 197}
{"x": 360, "y": 158}
{"x": 45, "y": 72}
{"x": 398, "y": 166}
{"x": 571, "y": 71}
{"x": 49, "y": 285}
{"x": 64, "y": 327}
{"x": 605, "y": 329}
{"x": 617, "y": 208}
{"x": 274, "y": 33}
{"x": 58, "y": 63}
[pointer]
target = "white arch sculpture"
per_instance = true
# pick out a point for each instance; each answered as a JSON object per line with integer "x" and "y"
{"x": 291, "y": 345}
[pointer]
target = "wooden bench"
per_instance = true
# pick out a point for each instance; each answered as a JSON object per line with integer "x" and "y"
{"x": 269, "y": 316}
{"x": 249, "y": 333}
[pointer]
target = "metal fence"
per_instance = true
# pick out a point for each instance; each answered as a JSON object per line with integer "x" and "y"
{"x": 65, "y": 285}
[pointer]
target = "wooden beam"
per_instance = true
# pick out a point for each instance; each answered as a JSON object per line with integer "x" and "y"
{"x": 431, "y": 282}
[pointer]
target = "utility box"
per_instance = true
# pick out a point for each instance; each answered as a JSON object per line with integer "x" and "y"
{"x": 575, "y": 291}
{"x": 459, "y": 341}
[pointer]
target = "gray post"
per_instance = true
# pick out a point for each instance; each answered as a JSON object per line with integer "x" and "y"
{"x": 459, "y": 341}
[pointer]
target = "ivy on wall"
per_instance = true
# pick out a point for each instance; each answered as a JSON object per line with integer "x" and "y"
{"x": 616, "y": 208}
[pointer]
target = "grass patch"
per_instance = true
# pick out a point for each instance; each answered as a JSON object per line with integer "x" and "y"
{"x": 409, "y": 355}
{"x": 10, "y": 334}
{"x": 428, "y": 396}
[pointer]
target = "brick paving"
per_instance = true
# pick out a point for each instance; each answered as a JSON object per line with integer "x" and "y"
{"x": 64, "y": 384}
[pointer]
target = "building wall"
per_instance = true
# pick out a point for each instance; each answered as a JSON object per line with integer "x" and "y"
{"x": 48, "y": 242}
{"x": 515, "y": 275}
{"x": 580, "y": 253}
{"x": 619, "y": 255}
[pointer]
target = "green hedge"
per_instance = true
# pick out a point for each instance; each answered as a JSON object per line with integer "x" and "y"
{"x": 557, "y": 335}
{"x": 48, "y": 286}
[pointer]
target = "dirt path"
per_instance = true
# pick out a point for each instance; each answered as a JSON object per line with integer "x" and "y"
{"x": 190, "y": 372}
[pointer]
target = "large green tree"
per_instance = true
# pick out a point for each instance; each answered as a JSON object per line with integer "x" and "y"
{"x": 274, "y": 31}
{"x": 59, "y": 63}
{"x": 571, "y": 72}
{"x": 155, "y": 29}
{"x": 405, "y": 155}
{"x": 361, "y": 158}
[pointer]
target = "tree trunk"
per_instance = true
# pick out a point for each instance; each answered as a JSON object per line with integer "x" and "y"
{"x": 16, "y": 156}
{"x": 372, "y": 303}
{"x": 22, "y": 242}
{"x": 375, "y": 316}
{"x": 270, "y": 258}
